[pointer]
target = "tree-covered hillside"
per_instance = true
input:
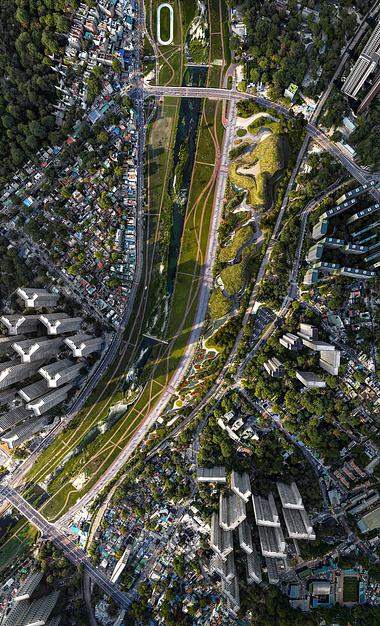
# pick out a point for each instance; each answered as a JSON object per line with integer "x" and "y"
{"x": 30, "y": 31}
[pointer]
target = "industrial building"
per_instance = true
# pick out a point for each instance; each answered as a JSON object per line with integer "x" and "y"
{"x": 59, "y": 323}
{"x": 356, "y": 192}
{"x": 28, "y": 586}
{"x": 19, "y": 324}
{"x": 221, "y": 540}
{"x": 253, "y": 568}
{"x": 83, "y": 344}
{"x": 215, "y": 474}
{"x": 291, "y": 342}
{"x": 275, "y": 368}
{"x": 60, "y": 372}
{"x": 330, "y": 361}
{"x": 36, "y": 298}
{"x": 25, "y": 431}
{"x": 364, "y": 66}
{"x": 320, "y": 229}
{"x": 240, "y": 484}
{"x": 310, "y": 380}
{"x": 265, "y": 511}
{"x": 31, "y": 350}
{"x": 14, "y": 372}
{"x": 315, "y": 253}
{"x": 50, "y": 400}
{"x": 13, "y": 417}
{"x": 231, "y": 511}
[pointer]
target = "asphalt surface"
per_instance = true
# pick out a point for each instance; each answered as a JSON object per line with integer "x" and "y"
{"x": 71, "y": 551}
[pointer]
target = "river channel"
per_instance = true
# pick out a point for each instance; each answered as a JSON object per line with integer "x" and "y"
{"x": 188, "y": 118}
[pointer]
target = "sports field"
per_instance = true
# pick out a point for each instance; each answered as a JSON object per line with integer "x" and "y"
{"x": 350, "y": 589}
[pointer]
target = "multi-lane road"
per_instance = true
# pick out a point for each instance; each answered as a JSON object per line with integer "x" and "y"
{"x": 71, "y": 551}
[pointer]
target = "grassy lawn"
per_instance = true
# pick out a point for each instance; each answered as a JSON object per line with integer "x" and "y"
{"x": 206, "y": 152}
{"x": 226, "y": 36}
{"x": 241, "y": 237}
{"x": 241, "y": 132}
{"x": 159, "y": 144}
{"x": 219, "y": 124}
{"x": 219, "y": 305}
{"x": 188, "y": 11}
{"x": 17, "y": 544}
{"x": 214, "y": 76}
{"x": 214, "y": 16}
{"x": 148, "y": 50}
{"x": 216, "y": 49}
{"x": 170, "y": 67}
{"x": 166, "y": 74}
{"x": 165, "y": 23}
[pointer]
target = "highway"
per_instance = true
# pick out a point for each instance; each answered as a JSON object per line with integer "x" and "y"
{"x": 70, "y": 550}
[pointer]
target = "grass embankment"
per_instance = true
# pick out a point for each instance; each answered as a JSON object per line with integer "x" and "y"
{"x": 234, "y": 276}
{"x": 219, "y": 305}
{"x": 241, "y": 237}
{"x": 96, "y": 457}
{"x": 254, "y": 170}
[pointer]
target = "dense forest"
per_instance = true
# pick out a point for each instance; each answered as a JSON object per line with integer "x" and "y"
{"x": 285, "y": 48}
{"x": 30, "y": 31}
